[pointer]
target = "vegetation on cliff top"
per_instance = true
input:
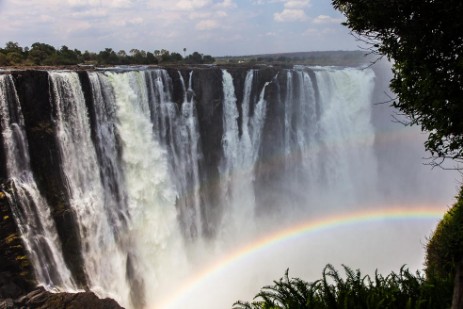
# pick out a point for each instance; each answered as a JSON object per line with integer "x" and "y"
{"x": 44, "y": 54}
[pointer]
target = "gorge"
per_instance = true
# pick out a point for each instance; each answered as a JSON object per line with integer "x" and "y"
{"x": 128, "y": 181}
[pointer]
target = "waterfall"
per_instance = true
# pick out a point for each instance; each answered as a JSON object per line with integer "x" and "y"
{"x": 104, "y": 262}
{"x": 166, "y": 169}
{"x": 302, "y": 159}
{"x": 346, "y": 133}
{"x": 154, "y": 229}
{"x": 30, "y": 209}
{"x": 177, "y": 128}
{"x": 240, "y": 151}
{"x": 107, "y": 150}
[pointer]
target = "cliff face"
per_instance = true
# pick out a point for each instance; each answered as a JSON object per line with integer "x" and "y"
{"x": 16, "y": 273}
{"x": 225, "y": 144}
{"x": 33, "y": 90}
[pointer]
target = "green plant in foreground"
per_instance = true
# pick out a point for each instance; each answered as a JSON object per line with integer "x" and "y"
{"x": 353, "y": 290}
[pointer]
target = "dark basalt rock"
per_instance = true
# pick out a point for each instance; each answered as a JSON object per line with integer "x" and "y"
{"x": 39, "y": 114}
{"x": 33, "y": 88}
{"x": 16, "y": 273}
{"x": 41, "y": 299}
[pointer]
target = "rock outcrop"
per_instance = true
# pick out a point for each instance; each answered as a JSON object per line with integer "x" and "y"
{"x": 42, "y": 299}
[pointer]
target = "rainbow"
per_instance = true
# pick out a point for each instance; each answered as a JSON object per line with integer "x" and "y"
{"x": 429, "y": 212}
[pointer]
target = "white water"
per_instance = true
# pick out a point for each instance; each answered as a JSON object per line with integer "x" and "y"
{"x": 137, "y": 191}
{"x": 240, "y": 155}
{"x": 347, "y": 135}
{"x": 104, "y": 262}
{"x": 112, "y": 176}
{"x": 177, "y": 127}
{"x": 154, "y": 229}
{"x": 30, "y": 209}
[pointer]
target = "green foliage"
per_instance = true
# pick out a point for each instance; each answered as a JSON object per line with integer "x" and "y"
{"x": 425, "y": 40}
{"x": 445, "y": 248}
{"x": 44, "y": 54}
{"x": 197, "y": 58}
{"x": 352, "y": 291}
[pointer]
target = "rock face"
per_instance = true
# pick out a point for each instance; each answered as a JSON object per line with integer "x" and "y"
{"x": 16, "y": 273}
{"x": 41, "y": 299}
{"x": 39, "y": 115}
{"x": 185, "y": 106}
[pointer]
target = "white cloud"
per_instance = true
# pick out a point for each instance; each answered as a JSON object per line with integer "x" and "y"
{"x": 46, "y": 18}
{"x": 325, "y": 19}
{"x": 189, "y": 5}
{"x": 100, "y": 3}
{"x": 226, "y": 4}
{"x": 207, "y": 24}
{"x": 293, "y": 11}
{"x": 297, "y": 4}
{"x": 266, "y": 1}
{"x": 288, "y": 15}
{"x": 92, "y": 13}
{"x": 211, "y": 26}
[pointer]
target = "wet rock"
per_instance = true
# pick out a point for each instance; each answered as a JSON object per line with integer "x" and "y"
{"x": 42, "y": 299}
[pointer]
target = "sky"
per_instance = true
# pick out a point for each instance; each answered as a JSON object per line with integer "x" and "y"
{"x": 214, "y": 27}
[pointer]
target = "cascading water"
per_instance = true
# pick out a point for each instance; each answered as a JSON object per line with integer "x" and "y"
{"x": 154, "y": 229}
{"x": 240, "y": 152}
{"x": 169, "y": 169}
{"x": 31, "y": 211}
{"x": 104, "y": 261}
{"x": 177, "y": 129}
{"x": 346, "y": 133}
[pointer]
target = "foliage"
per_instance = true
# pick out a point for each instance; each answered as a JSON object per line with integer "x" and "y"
{"x": 445, "y": 248}
{"x": 44, "y": 54}
{"x": 397, "y": 290}
{"x": 425, "y": 40}
{"x": 330, "y": 58}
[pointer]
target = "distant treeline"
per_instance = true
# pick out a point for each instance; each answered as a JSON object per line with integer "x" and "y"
{"x": 47, "y": 55}
{"x": 340, "y": 58}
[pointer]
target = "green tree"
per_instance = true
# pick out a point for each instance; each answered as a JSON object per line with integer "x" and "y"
{"x": 425, "y": 40}
{"x": 14, "y": 53}
{"x": 176, "y": 57}
{"x": 39, "y": 52}
{"x": 68, "y": 56}
{"x": 108, "y": 56}
{"x": 3, "y": 60}
{"x": 195, "y": 58}
{"x": 444, "y": 254}
{"x": 13, "y": 47}
{"x": 150, "y": 59}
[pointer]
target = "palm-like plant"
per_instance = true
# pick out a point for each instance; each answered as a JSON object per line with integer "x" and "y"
{"x": 354, "y": 291}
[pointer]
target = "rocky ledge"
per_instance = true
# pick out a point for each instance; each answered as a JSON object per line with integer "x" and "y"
{"x": 42, "y": 299}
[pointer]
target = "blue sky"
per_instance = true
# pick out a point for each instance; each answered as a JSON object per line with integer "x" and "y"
{"x": 215, "y": 27}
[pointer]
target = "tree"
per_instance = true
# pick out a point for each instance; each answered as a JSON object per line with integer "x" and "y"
{"x": 176, "y": 57}
{"x": 445, "y": 249}
{"x": 425, "y": 40}
{"x": 108, "y": 56}
{"x": 39, "y": 52}
{"x": 68, "y": 56}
